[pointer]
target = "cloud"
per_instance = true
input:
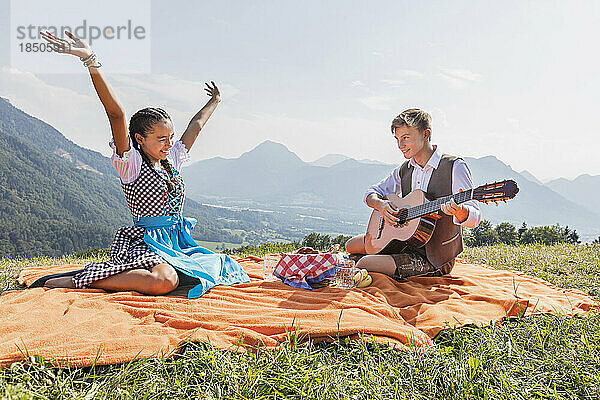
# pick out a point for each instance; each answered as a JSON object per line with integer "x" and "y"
{"x": 394, "y": 82}
{"x": 458, "y": 77}
{"x": 179, "y": 93}
{"x": 81, "y": 117}
{"x": 411, "y": 73}
{"x": 402, "y": 76}
{"x": 378, "y": 102}
{"x": 357, "y": 83}
{"x": 78, "y": 116}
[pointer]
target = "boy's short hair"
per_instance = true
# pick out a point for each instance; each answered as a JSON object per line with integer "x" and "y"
{"x": 412, "y": 117}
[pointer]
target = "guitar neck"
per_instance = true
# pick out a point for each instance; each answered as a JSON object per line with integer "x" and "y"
{"x": 436, "y": 205}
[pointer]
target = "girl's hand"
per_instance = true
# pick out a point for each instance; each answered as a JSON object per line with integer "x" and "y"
{"x": 213, "y": 91}
{"x": 74, "y": 45}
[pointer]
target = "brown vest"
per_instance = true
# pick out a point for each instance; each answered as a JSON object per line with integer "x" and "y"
{"x": 446, "y": 242}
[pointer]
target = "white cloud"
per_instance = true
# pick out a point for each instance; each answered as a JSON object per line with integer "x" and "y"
{"x": 394, "y": 82}
{"x": 81, "y": 117}
{"x": 357, "y": 83}
{"x": 378, "y": 102}
{"x": 411, "y": 73}
{"x": 402, "y": 76}
{"x": 180, "y": 93}
{"x": 458, "y": 77}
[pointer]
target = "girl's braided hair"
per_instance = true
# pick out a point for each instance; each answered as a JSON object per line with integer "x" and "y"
{"x": 142, "y": 122}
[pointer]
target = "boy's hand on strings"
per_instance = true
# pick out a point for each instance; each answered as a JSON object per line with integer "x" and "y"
{"x": 73, "y": 45}
{"x": 389, "y": 212}
{"x": 213, "y": 91}
{"x": 456, "y": 210}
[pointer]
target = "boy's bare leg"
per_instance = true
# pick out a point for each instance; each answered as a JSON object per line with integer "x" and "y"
{"x": 356, "y": 245}
{"x": 378, "y": 263}
{"x": 161, "y": 280}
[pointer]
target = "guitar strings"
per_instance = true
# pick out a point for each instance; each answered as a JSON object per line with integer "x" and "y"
{"x": 435, "y": 205}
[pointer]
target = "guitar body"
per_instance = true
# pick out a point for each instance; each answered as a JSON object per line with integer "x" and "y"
{"x": 416, "y": 233}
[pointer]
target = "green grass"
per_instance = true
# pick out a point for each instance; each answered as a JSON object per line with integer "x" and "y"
{"x": 213, "y": 245}
{"x": 539, "y": 357}
{"x": 565, "y": 265}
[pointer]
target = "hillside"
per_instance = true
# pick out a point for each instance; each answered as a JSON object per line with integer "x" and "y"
{"x": 54, "y": 204}
{"x": 39, "y": 134}
{"x": 49, "y": 207}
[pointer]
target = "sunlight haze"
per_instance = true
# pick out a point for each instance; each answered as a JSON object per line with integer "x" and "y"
{"x": 516, "y": 80}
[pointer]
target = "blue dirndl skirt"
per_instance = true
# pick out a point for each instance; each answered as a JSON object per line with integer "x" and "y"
{"x": 169, "y": 237}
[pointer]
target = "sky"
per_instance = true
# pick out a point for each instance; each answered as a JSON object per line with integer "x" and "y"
{"x": 514, "y": 79}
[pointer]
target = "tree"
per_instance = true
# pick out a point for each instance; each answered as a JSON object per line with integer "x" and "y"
{"x": 484, "y": 234}
{"x": 543, "y": 235}
{"x": 317, "y": 241}
{"x": 522, "y": 230}
{"x": 341, "y": 240}
{"x": 507, "y": 233}
{"x": 468, "y": 237}
{"x": 570, "y": 236}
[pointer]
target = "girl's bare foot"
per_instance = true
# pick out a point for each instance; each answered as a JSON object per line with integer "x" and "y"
{"x": 62, "y": 282}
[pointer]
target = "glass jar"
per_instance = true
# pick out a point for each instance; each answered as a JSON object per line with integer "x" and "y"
{"x": 269, "y": 264}
{"x": 344, "y": 275}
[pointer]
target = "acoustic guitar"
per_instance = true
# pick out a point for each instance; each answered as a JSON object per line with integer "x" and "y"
{"x": 418, "y": 215}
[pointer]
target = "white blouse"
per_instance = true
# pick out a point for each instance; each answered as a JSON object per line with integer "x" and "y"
{"x": 129, "y": 165}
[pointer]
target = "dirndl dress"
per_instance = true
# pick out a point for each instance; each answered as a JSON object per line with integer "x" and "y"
{"x": 160, "y": 234}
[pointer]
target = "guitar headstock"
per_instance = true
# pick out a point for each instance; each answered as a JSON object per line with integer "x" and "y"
{"x": 495, "y": 192}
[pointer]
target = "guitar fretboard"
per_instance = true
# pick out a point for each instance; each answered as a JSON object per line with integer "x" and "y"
{"x": 436, "y": 205}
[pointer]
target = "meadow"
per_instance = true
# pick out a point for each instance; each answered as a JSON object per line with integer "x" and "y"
{"x": 538, "y": 357}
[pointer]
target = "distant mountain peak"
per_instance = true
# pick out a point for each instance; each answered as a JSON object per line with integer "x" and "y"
{"x": 271, "y": 145}
{"x": 530, "y": 177}
{"x": 329, "y": 160}
{"x": 272, "y": 152}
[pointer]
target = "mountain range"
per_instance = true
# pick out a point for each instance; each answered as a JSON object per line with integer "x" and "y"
{"x": 58, "y": 197}
{"x": 272, "y": 176}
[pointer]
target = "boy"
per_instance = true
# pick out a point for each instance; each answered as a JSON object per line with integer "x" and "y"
{"x": 436, "y": 174}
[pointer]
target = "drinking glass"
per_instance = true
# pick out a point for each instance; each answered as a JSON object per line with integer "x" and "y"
{"x": 344, "y": 275}
{"x": 269, "y": 263}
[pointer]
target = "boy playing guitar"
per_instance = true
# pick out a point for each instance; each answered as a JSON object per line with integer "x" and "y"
{"x": 437, "y": 175}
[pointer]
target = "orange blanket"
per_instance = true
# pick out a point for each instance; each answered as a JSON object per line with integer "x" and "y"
{"x": 82, "y": 327}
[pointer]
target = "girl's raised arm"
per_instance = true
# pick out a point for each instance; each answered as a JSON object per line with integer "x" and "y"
{"x": 191, "y": 133}
{"x": 114, "y": 110}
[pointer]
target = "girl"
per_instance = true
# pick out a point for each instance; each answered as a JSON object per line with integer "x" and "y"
{"x": 156, "y": 254}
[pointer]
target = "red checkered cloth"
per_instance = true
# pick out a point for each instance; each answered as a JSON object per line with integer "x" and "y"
{"x": 300, "y": 270}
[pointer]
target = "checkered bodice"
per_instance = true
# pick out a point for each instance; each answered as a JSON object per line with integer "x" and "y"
{"x": 148, "y": 195}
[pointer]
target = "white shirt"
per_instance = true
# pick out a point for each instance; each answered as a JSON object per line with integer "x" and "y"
{"x": 129, "y": 165}
{"x": 461, "y": 179}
